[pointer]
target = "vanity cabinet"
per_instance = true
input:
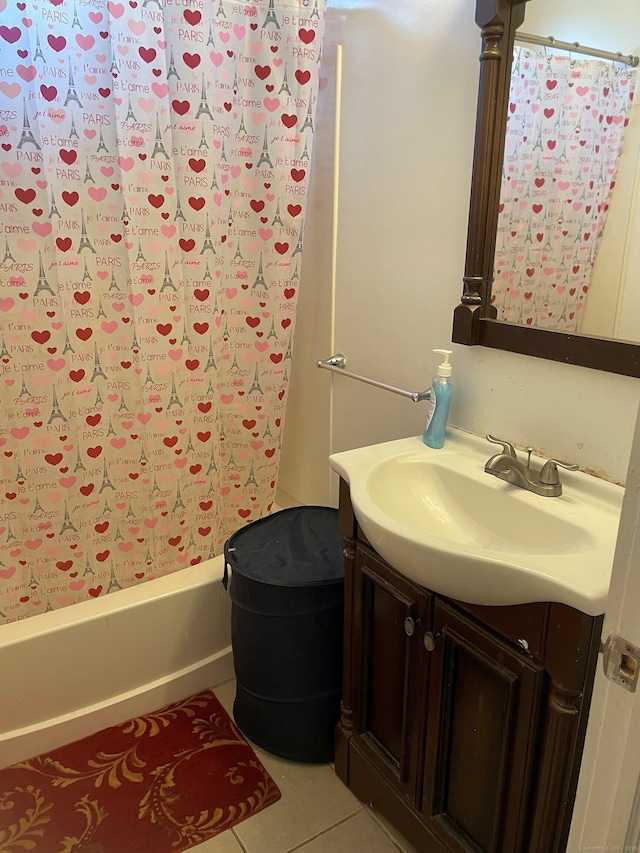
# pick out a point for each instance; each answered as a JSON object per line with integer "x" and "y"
{"x": 462, "y": 724}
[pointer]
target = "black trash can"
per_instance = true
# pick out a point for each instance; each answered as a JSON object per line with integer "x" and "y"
{"x": 287, "y": 601}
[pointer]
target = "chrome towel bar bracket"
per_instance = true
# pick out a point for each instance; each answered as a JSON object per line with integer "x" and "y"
{"x": 337, "y": 364}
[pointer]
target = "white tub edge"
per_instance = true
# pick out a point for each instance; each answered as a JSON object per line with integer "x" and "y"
{"x": 178, "y": 627}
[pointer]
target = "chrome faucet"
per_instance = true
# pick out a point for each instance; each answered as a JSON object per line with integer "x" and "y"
{"x": 506, "y": 466}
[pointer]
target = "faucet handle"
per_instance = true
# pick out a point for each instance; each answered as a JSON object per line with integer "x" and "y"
{"x": 507, "y": 448}
{"x": 549, "y": 474}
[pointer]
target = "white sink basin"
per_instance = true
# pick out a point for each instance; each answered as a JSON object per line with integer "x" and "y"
{"x": 439, "y": 519}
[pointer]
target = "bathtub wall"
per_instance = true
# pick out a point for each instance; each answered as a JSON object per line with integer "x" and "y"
{"x": 72, "y": 672}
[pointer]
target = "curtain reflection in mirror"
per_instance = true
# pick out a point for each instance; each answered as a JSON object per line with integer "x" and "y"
{"x": 565, "y": 131}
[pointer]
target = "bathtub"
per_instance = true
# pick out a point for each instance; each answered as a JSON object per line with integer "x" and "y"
{"x": 72, "y": 672}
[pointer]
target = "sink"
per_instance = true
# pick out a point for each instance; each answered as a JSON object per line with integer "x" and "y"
{"x": 439, "y": 519}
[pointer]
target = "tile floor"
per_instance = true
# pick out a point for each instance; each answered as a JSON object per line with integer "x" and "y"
{"x": 316, "y": 813}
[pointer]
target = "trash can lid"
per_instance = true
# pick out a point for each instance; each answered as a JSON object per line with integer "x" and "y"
{"x": 300, "y": 546}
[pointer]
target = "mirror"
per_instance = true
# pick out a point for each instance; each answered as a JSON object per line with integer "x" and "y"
{"x": 475, "y": 319}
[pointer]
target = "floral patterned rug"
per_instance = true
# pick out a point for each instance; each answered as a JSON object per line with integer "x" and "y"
{"x": 160, "y": 783}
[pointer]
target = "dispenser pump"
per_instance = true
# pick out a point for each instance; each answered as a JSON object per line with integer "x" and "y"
{"x": 444, "y": 369}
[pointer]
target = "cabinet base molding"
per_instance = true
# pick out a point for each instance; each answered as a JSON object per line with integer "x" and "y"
{"x": 371, "y": 788}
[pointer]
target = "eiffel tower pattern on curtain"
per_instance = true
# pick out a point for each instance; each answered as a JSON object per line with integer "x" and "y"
{"x": 154, "y": 174}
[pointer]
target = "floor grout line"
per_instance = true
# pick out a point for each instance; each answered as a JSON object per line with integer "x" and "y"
{"x": 240, "y": 844}
{"x": 324, "y": 831}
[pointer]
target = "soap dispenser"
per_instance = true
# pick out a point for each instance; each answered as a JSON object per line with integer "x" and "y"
{"x": 438, "y": 403}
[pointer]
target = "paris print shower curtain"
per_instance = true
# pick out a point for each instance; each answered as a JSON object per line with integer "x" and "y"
{"x": 154, "y": 165}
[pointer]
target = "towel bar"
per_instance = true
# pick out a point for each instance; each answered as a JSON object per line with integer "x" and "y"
{"x": 337, "y": 364}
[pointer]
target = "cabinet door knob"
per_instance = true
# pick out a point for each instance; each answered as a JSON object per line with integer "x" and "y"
{"x": 430, "y": 641}
{"x": 410, "y": 625}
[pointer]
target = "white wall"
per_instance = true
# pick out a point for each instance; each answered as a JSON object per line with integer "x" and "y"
{"x": 614, "y": 25}
{"x": 408, "y": 115}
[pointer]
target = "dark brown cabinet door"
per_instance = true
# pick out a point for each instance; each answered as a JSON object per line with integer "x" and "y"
{"x": 390, "y": 621}
{"x": 483, "y": 725}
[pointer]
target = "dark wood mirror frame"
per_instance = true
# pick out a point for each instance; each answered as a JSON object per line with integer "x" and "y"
{"x": 474, "y": 320}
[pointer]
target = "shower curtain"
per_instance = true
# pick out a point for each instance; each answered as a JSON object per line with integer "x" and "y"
{"x": 565, "y": 131}
{"x": 154, "y": 166}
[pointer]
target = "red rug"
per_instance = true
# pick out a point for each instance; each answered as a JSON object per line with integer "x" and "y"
{"x": 160, "y": 783}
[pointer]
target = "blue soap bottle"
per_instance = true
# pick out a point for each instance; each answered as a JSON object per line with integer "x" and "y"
{"x": 438, "y": 403}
